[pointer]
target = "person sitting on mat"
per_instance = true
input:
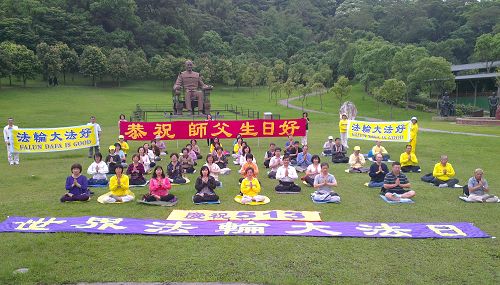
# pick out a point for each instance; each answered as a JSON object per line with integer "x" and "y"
{"x": 339, "y": 152}
{"x": 288, "y": 145}
{"x": 123, "y": 144}
{"x": 119, "y": 187}
{"x": 98, "y": 169}
{"x": 161, "y": 145}
{"x": 144, "y": 159}
{"x": 196, "y": 148}
{"x": 396, "y": 184}
{"x": 151, "y": 154}
{"x": 112, "y": 159}
{"x": 312, "y": 170}
{"x": 378, "y": 148}
{"x": 442, "y": 175}
{"x": 248, "y": 164}
{"x": 159, "y": 186}
{"x": 76, "y": 184}
{"x": 303, "y": 159}
{"x": 243, "y": 157}
{"x": 377, "y": 173}
{"x": 478, "y": 188}
{"x": 205, "y": 187}
{"x": 237, "y": 148}
{"x": 214, "y": 143}
{"x": 409, "y": 161}
{"x": 275, "y": 162}
{"x": 136, "y": 171}
{"x": 286, "y": 174}
{"x": 220, "y": 158}
{"x": 250, "y": 188}
{"x": 156, "y": 150}
{"x": 123, "y": 157}
{"x": 214, "y": 168}
{"x": 357, "y": 162}
{"x": 269, "y": 154}
{"x": 186, "y": 161}
{"x": 293, "y": 153}
{"x": 323, "y": 184}
{"x": 328, "y": 146}
{"x": 174, "y": 170}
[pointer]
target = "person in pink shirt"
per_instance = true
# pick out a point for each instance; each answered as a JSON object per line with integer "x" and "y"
{"x": 159, "y": 186}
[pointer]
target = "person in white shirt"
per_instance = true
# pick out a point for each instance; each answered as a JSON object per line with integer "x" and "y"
{"x": 275, "y": 162}
{"x": 98, "y": 131}
{"x": 98, "y": 170}
{"x": 328, "y": 146}
{"x": 286, "y": 174}
{"x": 12, "y": 157}
{"x": 312, "y": 170}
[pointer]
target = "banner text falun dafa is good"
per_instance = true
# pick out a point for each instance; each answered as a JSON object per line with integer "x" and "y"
{"x": 379, "y": 131}
{"x": 54, "y": 139}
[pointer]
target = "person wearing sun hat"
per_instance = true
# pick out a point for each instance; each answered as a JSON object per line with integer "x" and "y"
{"x": 124, "y": 145}
{"x": 413, "y": 134}
{"x": 112, "y": 159}
{"x": 357, "y": 161}
{"x": 328, "y": 146}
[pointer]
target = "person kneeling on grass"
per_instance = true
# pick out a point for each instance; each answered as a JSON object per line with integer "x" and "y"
{"x": 478, "y": 190}
{"x": 136, "y": 171}
{"x": 357, "y": 161}
{"x": 119, "y": 187}
{"x": 205, "y": 187}
{"x": 378, "y": 170}
{"x": 98, "y": 169}
{"x": 250, "y": 188}
{"x": 396, "y": 184}
{"x": 442, "y": 175}
{"x": 159, "y": 187}
{"x": 324, "y": 183}
{"x": 286, "y": 174}
{"x": 76, "y": 184}
{"x": 409, "y": 161}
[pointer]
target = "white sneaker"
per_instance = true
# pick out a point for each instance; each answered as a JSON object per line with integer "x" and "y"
{"x": 11, "y": 163}
{"x": 443, "y": 185}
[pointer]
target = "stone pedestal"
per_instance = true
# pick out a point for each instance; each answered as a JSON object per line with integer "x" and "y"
{"x": 497, "y": 115}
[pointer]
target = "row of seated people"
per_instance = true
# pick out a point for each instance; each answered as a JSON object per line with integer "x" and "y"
{"x": 338, "y": 152}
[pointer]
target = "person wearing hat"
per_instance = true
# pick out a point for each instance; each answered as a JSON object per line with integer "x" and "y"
{"x": 124, "y": 145}
{"x": 413, "y": 134}
{"x": 343, "y": 130}
{"x": 328, "y": 146}
{"x": 357, "y": 161}
{"x": 112, "y": 159}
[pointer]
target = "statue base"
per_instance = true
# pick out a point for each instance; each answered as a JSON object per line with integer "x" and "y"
{"x": 486, "y": 121}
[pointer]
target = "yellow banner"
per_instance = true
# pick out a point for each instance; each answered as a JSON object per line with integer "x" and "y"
{"x": 379, "y": 131}
{"x": 54, "y": 139}
{"x": 273, "y": 215}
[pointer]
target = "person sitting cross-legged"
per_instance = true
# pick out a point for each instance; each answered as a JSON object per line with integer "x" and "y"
{"x": 442, "y": 174}
{"x": 136, "y": 171}
{"x": 269, "y": 154}
{"x": 378, "y": 148}
{"x": 119, "y": 187}
{"x": 409, "y": 161}
{"x": 323, "y": 184}
{"x": 357, "y": 162}
{"x": 377, "y": 173}
{"x": 174, "y": 170}
{"x": 339, "y": 152}
{"x": 250, "y": 188}
{"x": 312, "y": 170}
{"x": 328, "y": 146}
{"x": 478, "y": 188}
{"x": 159, "y": 186}
{"x": 303, "y": 159}
{"x": 186, "y": 161}
{"x": 276, "y": 161}
{"x": 248, "y": 164}
{"x": 205, "y": 187}
{"x": 286, "y": 174}
{"x": 396, "y": 184}
{"x": 76, "y": 184}
{"x": 98, "y": 169}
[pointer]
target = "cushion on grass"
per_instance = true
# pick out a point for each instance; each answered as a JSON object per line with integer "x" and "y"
{"x": 253, "y": 203}
{"x": 102, "y": 199}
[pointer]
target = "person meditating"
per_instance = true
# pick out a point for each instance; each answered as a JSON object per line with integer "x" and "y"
{"x": 442, "y": 174}
{"x": 214, "y": 169}
{"x": 478, "y": 188}
{"x": 119, "y": 188}
{"x": 357, "y": 162}
{"x": 205, "y": 187}
{"x": 377, "y": 173}
{"x": 286, "y": 174}
{"x": 378, "y": 148}
{"x": 220, "y": 158}
{"x": 186, "y": 161}
{"x": 112, "y": 159}
{"x": 312, "y": 170}
{"x": 98, "y": 169}
{"x": 275, "y": 162}
{"x": 250, "y": 188}
{"x": 174, "y": 170}
{"x": 303, "y": 159}
{"x": 136, "y": 171}
{"x": 76, "y": 184}
{"x": 396, "y": 184}
{"x": 409, "y": 161}
{"x": 248, "y": 164}
{"x": 323, "y": 184}
{"x": 339, "y": 152}
{"x": 328, "y": 146}
{"x": 159, "y": 186}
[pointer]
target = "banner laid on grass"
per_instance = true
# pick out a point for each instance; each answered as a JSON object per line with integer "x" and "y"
{"x": 379, "y": 131}
{"x": 54, "y": 139}
{"x": 273, "y": 215}
{"x": 111, "y": 225}
{"x": 180, "y": 130}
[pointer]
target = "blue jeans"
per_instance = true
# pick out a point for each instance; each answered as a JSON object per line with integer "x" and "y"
{"x": 373, "y": 184}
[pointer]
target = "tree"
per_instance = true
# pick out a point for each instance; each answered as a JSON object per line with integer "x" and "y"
{"x": 288, "y": 86}
{"x": 212, "y": 42}
{"x": 341, "y": 89}
{"x": 431, "y": 72}
{"x": 117, "y": 64}
{"x": 138, "y": 66}
{"x": 69, "y": 59}
{"x": 92, "y": 63}
{"x": 392, "y": 91}
{"x": 25, "y": 63}
{"x": 163, "y": 68}
{"x": 5, "y": 61}
{"x": 487, "y": 49}
{"x": 50, "y": 58}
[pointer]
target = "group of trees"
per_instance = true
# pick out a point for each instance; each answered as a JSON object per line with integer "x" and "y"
{"x": 296, "y": 46}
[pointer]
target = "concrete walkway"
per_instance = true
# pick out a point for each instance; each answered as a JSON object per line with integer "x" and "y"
{"x": 283, "y": 102}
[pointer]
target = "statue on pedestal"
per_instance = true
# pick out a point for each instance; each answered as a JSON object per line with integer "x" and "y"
{"x": 445, "y": 106}
{"x": 191, "y": 82}
{"x": 493, "y": 101}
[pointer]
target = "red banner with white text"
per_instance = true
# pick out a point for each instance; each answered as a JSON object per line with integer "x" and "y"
{"x": 181, "y": 130}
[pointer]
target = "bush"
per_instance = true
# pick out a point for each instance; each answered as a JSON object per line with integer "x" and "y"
{"x": 420, "y": 107}
{"x": 465, "y": 110}
{"x": 423, "y": 99}
{"x": 401, "y": 104}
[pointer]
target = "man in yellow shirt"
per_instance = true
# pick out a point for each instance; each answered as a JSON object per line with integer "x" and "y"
{"x": 409, "y": 161}
{"x": 442, "y": 175}
{"x": 343, "y": 130}
{"x": 413, "y": 134}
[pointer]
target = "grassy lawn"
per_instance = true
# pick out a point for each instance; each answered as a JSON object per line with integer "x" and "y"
{"x": 34, "y": 188}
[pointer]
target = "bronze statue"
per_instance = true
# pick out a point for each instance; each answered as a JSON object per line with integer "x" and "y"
{"x": 493, "y": 101}
{"x": 190, "y": 81}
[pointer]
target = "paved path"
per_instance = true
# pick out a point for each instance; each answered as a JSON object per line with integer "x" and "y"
{"x": 283, "y": 102}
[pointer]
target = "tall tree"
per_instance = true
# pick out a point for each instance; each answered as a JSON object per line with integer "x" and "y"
{"x": 69, "y": 59}
{"x": 117, "y": 64}
{"x": 392, "y": 91}
{"x": 25, "y": 63}
{"x": 341, "y": 89}
{"x": 92, "y": 63}
{"x": 487, "y": 49}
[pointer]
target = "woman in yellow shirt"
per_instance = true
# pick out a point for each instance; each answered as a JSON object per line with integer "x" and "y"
{"x": 119, "y": 188}
{"x": 250, "y": 188}
{"x": 413, "y": 134}
{"x": 343, "y": 130}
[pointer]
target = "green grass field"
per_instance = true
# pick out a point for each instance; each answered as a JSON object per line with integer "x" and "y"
{"x": 34, "y": 189}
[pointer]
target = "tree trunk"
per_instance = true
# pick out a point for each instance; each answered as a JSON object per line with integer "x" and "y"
{"x": 64, "y": 77}
{"x": 321, "y": 101}
{"x": 119, "y": 83}
{"x": 391, "y": 112}
{"x": 93, "y": 81}
{"x": 10, "y": 80}
{"x": 24, "y": 81}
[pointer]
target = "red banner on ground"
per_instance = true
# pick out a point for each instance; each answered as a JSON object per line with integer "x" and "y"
{"x": 180, "y": 130}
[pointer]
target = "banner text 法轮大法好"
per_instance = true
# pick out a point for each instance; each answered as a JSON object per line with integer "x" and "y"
{"x": 379, "y": 131}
